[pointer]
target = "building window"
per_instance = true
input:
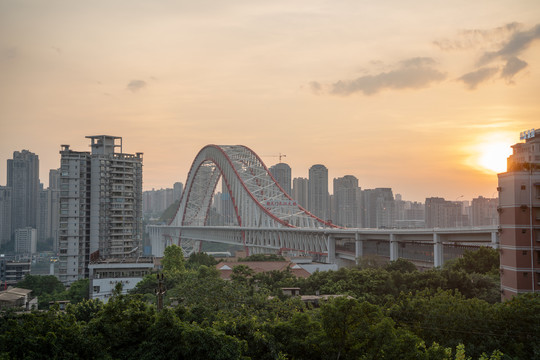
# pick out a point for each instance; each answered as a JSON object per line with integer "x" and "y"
{"x": 524, "y": 252}
{"x": 523, "y": 187}
{"x": 96, "y": 289}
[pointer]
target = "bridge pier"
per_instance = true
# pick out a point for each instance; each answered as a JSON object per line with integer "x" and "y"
{"x": 494, "y": 240}
{"x": 437, "y": 250}
{"x": 331, "y": 246}
{"x": 394, "y": 247}
{"x": 359, "y": 247}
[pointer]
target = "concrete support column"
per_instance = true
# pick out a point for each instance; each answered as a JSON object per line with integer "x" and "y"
{"x": 495, "y": 240}
{"x": 331, "y": 246}
{"x": 437, "y": 250}
{"x": 359, "y": 247}
{"x": 394, "y": 247}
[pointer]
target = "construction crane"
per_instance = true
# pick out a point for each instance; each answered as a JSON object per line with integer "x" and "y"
{"x": 278, "y": 156}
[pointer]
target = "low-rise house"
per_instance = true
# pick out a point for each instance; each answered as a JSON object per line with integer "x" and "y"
{"x": 17, "y": 298}
{"x": 226, "y": 268}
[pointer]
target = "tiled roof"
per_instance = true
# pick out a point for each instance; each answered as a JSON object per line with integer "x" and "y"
{"x": 225, "y": 268}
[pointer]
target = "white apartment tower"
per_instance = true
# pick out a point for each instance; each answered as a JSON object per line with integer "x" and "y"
{"x": 100, "y": 206}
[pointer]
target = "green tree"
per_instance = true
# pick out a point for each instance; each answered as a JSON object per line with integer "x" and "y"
{"x": 170, "y": 338}
{"x": 173, "y": 259}
{"x": 121, "y": 326}
{"x": 241, "y": 273}
{"x": 85, "y": 310}
{"x": 400, "y": 264}
{"x": 41, "y": 284}
{"x": 485, "y": 260}
{"x": 79, "y": 291}
{"x": 263, "y": 257}
{"x": 195, "y": 260}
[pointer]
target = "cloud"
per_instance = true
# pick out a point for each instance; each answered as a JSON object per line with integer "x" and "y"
{"x": 519, "y": 42}
{"x": 414, "y": 73}
{"x": 136, "y": 85}
{"x": 512, "y": 67}
{"x": 315, "y": 87}
{"x": 473, "y": 38}
{"x": 473, "y": 79}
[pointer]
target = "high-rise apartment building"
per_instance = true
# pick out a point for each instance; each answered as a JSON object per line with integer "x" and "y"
{"x": 318, "y": 191}
{"x": 378, "y": 208}
{"x": 178, "y": 189}
{"x": 484, "y": 211}
{"x": 23, "y": 179}
{"x": 48, "y": 216}
{"x": 282, "y": 173}
{"x": 442, "y": 213}
{"x": 519, "y": 218}
{"x": 100, "y": 206}
{"x": 300, "y": 191}
{"x": 5, "y": 216}
{"x": 155, "y": 202}
{"x": 347, "y": 201}
{"x": 25, "y": 241}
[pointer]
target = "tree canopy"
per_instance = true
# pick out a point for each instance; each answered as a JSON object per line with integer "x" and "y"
{"x": 387, "y": 311}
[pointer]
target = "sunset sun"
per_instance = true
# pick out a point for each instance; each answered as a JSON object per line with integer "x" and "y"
{"x": 492, "y": 156}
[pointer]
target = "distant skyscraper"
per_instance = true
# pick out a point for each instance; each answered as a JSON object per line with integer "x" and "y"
{"x": 54, "y": 179}
{"x": 346, "y": 201}
{"x": 48, "y": 219}
{"x": 318, "y": 191}
{"x": 300, "y": 191}
{"x": 484, "y": 211}
{"x": 5, "y": 216}
{"x": 100, "y": 206}
{"x": 282, "y": 173}
{"x": 378, "y": 208}
{"x": 178, "y": 188}
{"x": 442, "y": 213}
{"x": 23, "y": 179}
{"x": 227, "y": 207}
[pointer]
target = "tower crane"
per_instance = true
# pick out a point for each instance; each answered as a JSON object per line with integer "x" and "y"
{"x": 278, "y": 156}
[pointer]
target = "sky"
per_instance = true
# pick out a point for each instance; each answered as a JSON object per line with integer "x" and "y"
{"x": 423, "y": 96}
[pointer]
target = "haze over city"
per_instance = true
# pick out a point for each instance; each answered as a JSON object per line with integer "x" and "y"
{"x": 424, "y": 97}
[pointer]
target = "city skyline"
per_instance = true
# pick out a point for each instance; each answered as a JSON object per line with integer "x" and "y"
{"x": 410, "y": 97}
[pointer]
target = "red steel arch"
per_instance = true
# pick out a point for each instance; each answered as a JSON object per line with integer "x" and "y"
{"x": 258, "y": 200}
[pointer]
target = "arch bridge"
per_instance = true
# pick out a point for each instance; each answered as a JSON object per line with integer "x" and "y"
{"x": 267, "y": 219}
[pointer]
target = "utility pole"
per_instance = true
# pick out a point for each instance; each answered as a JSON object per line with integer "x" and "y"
{"x": 160, "y": 291}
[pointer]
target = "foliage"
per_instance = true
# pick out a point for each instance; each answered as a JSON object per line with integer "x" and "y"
{"x": 263, "y": 257}
{"x": 195, "y": 260}
{"x": 170, "y": 212}
{"x": 170, "y": 338}
{"x": 390, "y": 311}
{"x": 485, "y": 260}
{"x": 48, "y": 288}
{"x": 41, "y": 284}
{"x": 400, "y": 264}
{"x": 173, "y": 259}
